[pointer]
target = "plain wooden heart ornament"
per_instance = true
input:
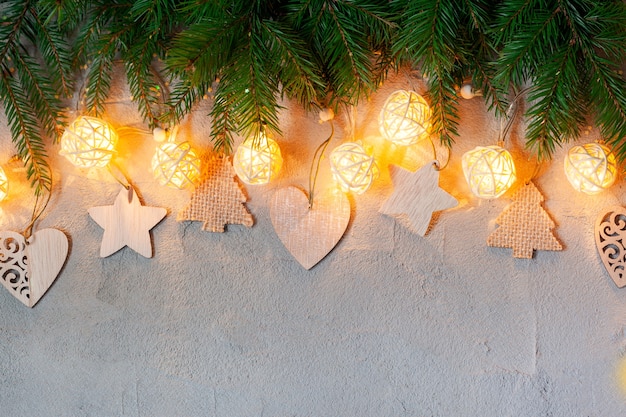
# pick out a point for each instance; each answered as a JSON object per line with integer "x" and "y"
{"x": 309, "y": 233}
{"x": 29, "y": 267}
{"x": 610, "y": 232}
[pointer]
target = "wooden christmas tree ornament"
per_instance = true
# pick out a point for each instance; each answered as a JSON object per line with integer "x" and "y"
{"x": 127, "y": 223}
{"x": 524, "y": 225}
{"x": 89, "y": 142}
{"x": 417, "y": 196}
{"x": 309, "y": 233}
{"x": 218, "y": 199}
{"x": 610, "y": 233}
{"x": 28, "y": 267}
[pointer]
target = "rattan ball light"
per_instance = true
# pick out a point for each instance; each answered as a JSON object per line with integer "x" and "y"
{"x": 353, "y": 168}
{"x": 89, "y": 142}
{"x": 176, "y": 165}
{"x": 4, "y": 185}
{"x": 405, "y": 118}
{"x": 590, "y": 168}
{"x": 257, "y": 160}
{"x": 489, "y": 171}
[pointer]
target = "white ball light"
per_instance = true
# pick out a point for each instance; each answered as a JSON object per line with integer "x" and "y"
{"x": 489, "y": 171}
{"x": 405, "y": 118}
{"x": 89, "y": 142}
{"x": 176, "y": 165}
{"x": 257, "y": 160}
{"x": 353, "y": 168}
{"x": 590, "y": 168}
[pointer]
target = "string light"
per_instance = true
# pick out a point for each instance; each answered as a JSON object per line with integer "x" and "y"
{"x": 258, "y": 160}
{"x": 353, "y": 168}
{"x": 489, "y": 171}
{"x": 405, "y": 118}
{"x": 590, "y": 168}
{"x": 176, "y": 165}
{"x": 4, "y": 185}
{"x": 89, "y": 142}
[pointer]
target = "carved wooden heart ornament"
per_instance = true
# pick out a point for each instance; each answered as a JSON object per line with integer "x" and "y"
{"x": 309, "y": 233}
{"x": 610, "y": 232}
{"x": 29, "y": 267}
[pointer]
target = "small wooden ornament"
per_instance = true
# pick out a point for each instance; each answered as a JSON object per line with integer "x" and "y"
{"x": 524, "y": 225}
{"x": 417, "y": 196}
{"x": 218, "y": 200}
{"x": 309, "y": 234}
{"x": 127, "y": 223}
{"x": 28, "y": 267}
{"x": 610, "y": 233}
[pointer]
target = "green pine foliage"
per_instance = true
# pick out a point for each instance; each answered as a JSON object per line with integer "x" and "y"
{"x": 570, "y": 54}
{"x": 247, "y": 55}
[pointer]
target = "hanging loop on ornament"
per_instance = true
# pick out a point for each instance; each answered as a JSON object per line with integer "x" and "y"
{"x": 325, "y": 115}
{"x": 126, "y": 183}
{"x": 439, "y": 166}
{"x": 534, "y": 173}
{"x": 38, "y": 209}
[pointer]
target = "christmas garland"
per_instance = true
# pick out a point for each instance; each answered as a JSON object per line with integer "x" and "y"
{"x": 247, "y": 54}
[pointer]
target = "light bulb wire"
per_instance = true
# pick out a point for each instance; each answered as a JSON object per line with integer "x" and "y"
{"x": 513, "y": 108}
{"x": 315, "y": 165}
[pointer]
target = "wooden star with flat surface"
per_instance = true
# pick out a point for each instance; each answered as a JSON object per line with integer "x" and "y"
{"x": 417, "y": 196}
{"x": 127, "y": 223}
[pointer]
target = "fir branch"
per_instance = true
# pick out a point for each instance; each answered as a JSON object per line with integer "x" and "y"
{"x": 556, "y": 109}
{"x": 223, "y": 122}
{"x": 98, "y": 82}
{"x": 294, "y": 68}
{"x": 443, "y": 103}
{"x": 55, "y": 52}
{"x": 25, "y": 133}
{"x": 41, "y": 96}
{"x": 183, "y": 97}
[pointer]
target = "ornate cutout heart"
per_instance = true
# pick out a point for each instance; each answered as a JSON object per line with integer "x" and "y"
{"x": 28, "y": 268}
{"x": 610, "y": 232}
{"x": 309, "y": 234}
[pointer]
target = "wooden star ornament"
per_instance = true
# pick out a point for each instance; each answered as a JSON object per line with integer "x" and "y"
{"x": 127, "y": 223}
{"x": 417, "y": 196}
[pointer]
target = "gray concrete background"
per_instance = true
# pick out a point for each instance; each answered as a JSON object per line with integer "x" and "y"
{"x": 389, "y": 324}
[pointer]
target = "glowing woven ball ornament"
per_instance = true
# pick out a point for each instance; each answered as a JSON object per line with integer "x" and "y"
{"x": 405, "y": 118}
{"x": 590, "y": 168}
{"x": 4, "y": 185}
{"x": 353, "y": 168}
{"x": 89, "y": 142}
{"x": 489, "y": 171}
{"x": 176, "y": 165}
{"x": 258, "y": 160}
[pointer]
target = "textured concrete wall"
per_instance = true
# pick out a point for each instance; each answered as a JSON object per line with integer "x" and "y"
{"x": 389, "y": 324}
